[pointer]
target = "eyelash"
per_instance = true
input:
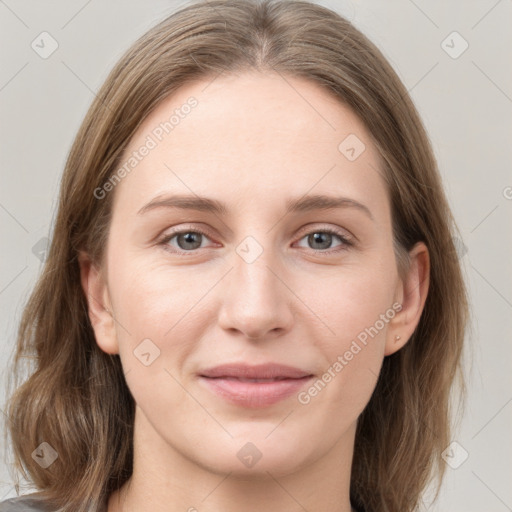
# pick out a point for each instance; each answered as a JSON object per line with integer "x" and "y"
{"x": 346, "y": 242}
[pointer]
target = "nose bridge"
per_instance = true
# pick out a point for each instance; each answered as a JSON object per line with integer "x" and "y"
{"x": 255, "y": 266}
{"x": 256, "y": 300}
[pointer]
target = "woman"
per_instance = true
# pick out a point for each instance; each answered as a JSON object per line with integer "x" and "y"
{"x": 196, "y": 348}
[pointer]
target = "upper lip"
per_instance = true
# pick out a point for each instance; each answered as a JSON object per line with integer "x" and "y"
{"x": 261, "y": 371}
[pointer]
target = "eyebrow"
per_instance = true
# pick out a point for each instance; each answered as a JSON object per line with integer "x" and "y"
{"x": 205, "y": 204}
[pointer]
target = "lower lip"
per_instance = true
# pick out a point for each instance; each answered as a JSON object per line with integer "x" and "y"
{"x": 254, "y": 394}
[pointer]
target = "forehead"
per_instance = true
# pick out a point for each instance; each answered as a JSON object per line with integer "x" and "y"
{"x": 251, "y": 132}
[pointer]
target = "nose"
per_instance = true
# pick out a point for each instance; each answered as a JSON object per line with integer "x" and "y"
{"x": 255, "y": 300}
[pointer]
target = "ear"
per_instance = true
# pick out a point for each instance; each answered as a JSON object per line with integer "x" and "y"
{"x": 411, "y": 294}
{"x": 99, "y": 305}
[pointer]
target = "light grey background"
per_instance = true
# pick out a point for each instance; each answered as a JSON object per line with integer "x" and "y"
{"x": 466, "y": 104}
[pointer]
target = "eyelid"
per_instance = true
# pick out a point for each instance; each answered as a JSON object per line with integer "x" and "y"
{"x": 315, "y": 227}
{"x": 164, "y": 239}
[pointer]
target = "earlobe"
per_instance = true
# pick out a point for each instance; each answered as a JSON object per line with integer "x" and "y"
{"x": 413, "y": 294}
{"x": 98, "y": 304}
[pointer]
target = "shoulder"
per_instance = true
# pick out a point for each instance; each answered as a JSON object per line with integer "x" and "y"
{"x": 28, "y": 503}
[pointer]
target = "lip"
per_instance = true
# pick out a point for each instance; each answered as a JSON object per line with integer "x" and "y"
{"x": 260, "y": 371}
{"x": 254, "y": 386}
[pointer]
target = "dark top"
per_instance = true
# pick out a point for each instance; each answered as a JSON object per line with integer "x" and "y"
{"x": 34, "y": 503}
{"x": 30, "y": 503}
{"x": 27, "y": 503}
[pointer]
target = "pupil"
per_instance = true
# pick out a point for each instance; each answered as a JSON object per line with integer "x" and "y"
{"x": 317, "y": 238}
{"x": 190, "y": 238}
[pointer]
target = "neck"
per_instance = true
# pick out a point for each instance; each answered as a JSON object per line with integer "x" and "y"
{"x": 166, "y": 480}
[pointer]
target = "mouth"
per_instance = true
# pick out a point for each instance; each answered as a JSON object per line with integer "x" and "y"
{"x": 242, "y": 379}
{"x": 254, "y": 386}
{"x": 260, "y": 371}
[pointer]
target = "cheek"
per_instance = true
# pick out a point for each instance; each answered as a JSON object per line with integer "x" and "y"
{"x": 152, "y": 298}
{"x": 351, "y": 300}
{"x": 159, "y": 316}
{"x": 355, "y": 307}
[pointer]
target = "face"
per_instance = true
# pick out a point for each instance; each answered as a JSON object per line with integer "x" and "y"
{"x": 273, "y": 274}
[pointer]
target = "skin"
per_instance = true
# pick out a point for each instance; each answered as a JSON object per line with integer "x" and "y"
{"x": 252, "y": 142}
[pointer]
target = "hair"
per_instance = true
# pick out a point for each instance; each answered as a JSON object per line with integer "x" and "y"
{"x": 75, "y": 397}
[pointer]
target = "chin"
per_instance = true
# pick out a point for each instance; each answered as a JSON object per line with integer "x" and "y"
{"x": 251, "y": 455}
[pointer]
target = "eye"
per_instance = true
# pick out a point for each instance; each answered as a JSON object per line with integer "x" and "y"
{"x": 186, "y": 240}
{"x": 322, "y": 239}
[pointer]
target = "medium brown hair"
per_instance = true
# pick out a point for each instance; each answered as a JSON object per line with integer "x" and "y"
{"x": 75, "y": 397}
